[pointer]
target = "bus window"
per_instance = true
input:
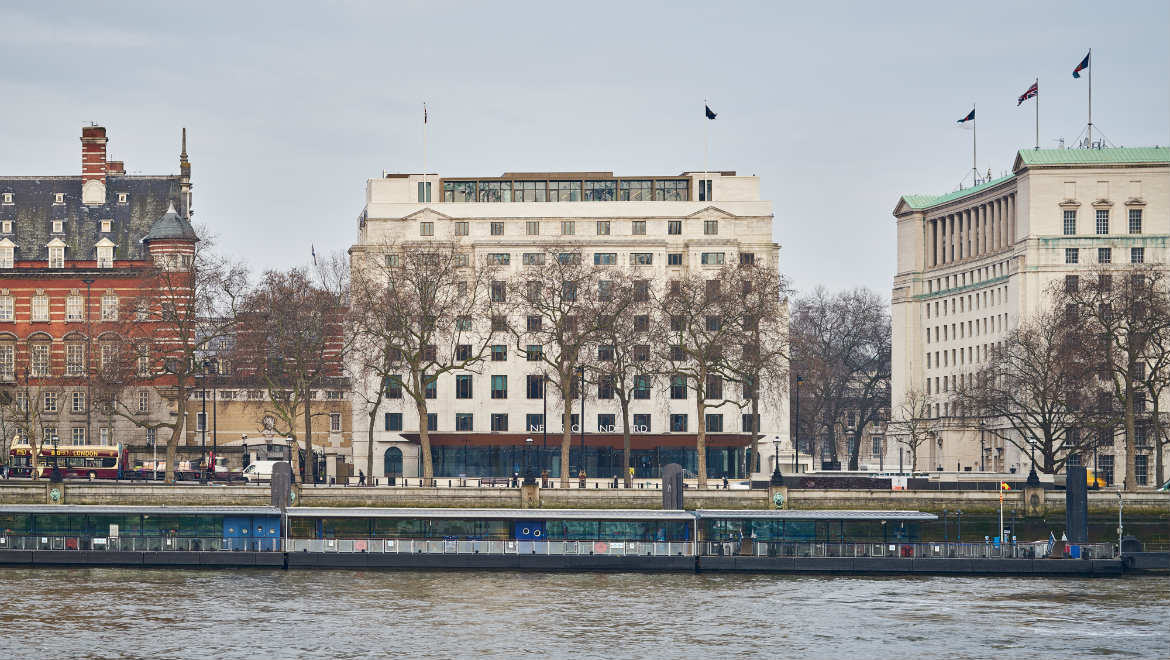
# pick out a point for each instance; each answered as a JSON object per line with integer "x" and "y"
{"x": 109, "y": 462}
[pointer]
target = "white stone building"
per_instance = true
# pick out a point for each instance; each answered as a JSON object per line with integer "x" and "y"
{"x": 973, "y": 263}
{"x": 664, "y": 226}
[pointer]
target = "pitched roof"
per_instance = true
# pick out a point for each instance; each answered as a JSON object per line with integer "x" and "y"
{"x": 924, "y": 201}
{"x": 170, "y": 226}
{"x": 1118, "y": 155}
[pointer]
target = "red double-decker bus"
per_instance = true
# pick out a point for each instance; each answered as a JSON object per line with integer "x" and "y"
{"x": 85, "y": 461}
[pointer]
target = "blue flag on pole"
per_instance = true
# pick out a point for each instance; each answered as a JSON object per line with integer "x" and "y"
{"x": 970, "y": 117}
{"x": 1081, "y": 67}
{"x": 707, "y": 108}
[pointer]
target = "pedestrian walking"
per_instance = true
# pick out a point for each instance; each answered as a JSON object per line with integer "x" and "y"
{"x": 361, "y": 478}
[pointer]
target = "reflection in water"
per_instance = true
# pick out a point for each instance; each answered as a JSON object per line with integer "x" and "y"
{"x": 155, "y": 613}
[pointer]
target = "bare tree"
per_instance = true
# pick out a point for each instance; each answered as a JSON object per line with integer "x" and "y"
{"x": 702, "y": 331}
{"x": 29, "y": 413}
{"x": 1038, "y": 392}
{"x": 413, "y": 316}
{"x": 624, "y": 366}
{"x": 554, "y": 318}
{"x": 841, "y": 351}
{"x": 187, "y": 304}
{"x": 1120, "y": 311}
{"x": 912, "y": 424}
{"x": 763, "y": 366}
{"x": 290, "y": 339}
{"x": 1156, "y": 381}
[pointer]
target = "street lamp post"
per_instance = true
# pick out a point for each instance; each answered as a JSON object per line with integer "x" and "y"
{"x": 203, "y": 463}
{"x": 582, "y": 420}
{"x": 796, "y": 432}
{"x": 982, "y": 449}
{"x": 88, "y": 281}
{"x": 214, "y": 415}
{"x": 777, "y": 478}
{"x": 529, "y": 476}
{"x": 959, "y": 529}
{"x": 56, "y": 474}
{"x": 544, "y": 417}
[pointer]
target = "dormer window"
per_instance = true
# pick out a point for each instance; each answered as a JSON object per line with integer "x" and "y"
{"x": 123, "y": 198}
{"x": 107, "y": 226}
{"x": 56, "y": 253}
{"x": 7, "y": 198}
{"x": 105, "y": 253}
{"x": 58, "y": 198}
{"x": 7, "y": 250}
{"x": 6, "y": 227}
{"x": 58, "y": 226}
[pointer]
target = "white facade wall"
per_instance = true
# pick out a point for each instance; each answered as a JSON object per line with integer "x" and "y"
{"x": 393, "y": 214}
{"x": 952, "y": 303}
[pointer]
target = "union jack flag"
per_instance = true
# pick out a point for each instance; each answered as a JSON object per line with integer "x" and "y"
{"x": 1034, "y": 90}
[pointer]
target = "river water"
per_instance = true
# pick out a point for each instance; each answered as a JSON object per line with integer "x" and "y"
{"x": 156, "y": 613}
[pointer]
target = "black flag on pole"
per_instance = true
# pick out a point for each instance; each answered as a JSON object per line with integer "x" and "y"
{"x": 707, "y": 108}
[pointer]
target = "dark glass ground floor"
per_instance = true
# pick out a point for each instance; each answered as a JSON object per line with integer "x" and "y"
{"x": 599, "y": 462}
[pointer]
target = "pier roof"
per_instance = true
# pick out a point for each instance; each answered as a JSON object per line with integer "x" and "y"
{"x": 791, "y": 514}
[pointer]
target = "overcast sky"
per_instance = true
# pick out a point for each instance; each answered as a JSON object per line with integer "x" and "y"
{"x": 839, "y": 107}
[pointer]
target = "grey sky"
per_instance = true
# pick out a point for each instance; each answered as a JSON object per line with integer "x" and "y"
{"x": 839, "y": 107}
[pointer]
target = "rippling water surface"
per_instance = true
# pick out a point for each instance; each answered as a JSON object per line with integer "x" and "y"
{"x": 154, "y": 613}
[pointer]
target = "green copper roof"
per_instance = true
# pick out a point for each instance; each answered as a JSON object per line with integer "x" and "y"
{"x": 923, "y": 201}
{"x": 1091, "y": 156}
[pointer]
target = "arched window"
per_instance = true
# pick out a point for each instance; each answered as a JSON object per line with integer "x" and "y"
{"x": 392, "y": 462}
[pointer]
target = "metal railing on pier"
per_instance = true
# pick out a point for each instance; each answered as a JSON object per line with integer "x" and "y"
{"x": 916, "y": 550}
{"x": 464, "y": 547}
{"x": 140, "y": 543}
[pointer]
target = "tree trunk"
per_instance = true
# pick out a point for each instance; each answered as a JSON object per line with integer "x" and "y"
{"x": 1130, "y": 442}
{"x": 424, "y": 441}
{"x": 1156, "y": 427}
{"x": 701, "y": 440}
{"x": 172, "y": 451}
{"x": 626, "y": 443}
{"x": 855, "y": 447}
{"x": 566, "y": 430}
{"x": 311, "y": 470}
{"x": 755, "y": 465}
{"x": 370, "y": 439}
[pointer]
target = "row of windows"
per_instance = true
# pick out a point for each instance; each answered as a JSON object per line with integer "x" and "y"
{"x": 58, "y": 198}
{"x": 974, "y": 276}
{"x": 73, "y": 401}
{"x": 569, "y": 228}
{"x": 964, "y": 329}
{"x": 1102, "y": 221}
{"x": 1137, "y": 255}
{"x": 966, "y": 303}
{"x": 39, "y": 363}
{"x": 606, "y": 422}
{"x": 105, "y": 256}
{"x": 74, "y": 308}
{"x": 670, "y": 190}
{"x": 958, "y": 357}
{"x": 535, "y": 387}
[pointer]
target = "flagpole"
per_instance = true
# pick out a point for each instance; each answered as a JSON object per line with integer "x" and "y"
{"x": 974, "y": 150}
{"x": 1037, "y": 113}
{"x": 424, "y": 145}
{"x": 1090, "y": 98}
{"x": 706, "y": 132}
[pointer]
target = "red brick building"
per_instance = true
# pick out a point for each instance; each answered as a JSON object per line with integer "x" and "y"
{"x": 77, "y": 254}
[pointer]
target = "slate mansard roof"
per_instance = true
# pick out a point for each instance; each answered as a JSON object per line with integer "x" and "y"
{"x": 34, "y": 208}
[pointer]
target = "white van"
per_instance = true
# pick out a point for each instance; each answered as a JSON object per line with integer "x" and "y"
{"x": 259, "y": 470}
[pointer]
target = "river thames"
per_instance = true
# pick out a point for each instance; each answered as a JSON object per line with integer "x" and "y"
{"x": 134, "y": 613}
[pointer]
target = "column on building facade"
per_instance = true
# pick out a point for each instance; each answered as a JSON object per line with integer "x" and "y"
{"x": 934, "y": 243}
{"x": 980, "y": 229}
{"x": 964, "y": 232}
{"x": 993, "y": 211}
{"x": 985, "y": 229}
{"x": 1011, "y": 214}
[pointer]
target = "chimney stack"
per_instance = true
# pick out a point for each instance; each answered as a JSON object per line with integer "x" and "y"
{"x": 93, "y": 154}
{"x": 115, "y": 167}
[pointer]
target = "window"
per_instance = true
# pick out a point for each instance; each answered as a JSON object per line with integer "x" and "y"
{"x": 73, "y": 307}
{"x": 532, "y": 228}
{"x": 714, "y": 389}
{"x": 634, "y": 191}
{"x": 641, "y": 387}
{"x": 499, "y": 387}
{"x": 56, "y": 257}
{"x": 463, "y": 352}
{"x": 638, "y": 228}
{"x": 499, "y": 323}
{"x": 1071, "y": 255}
{"x": 606, "y": 423}
{"x": 534, "y": 386}
{"x": 499, "y": 421}
{"x": 568, "y": 227}
{"x": 528, "y": 191}
{"x": 603, "y": 227}
{"x": 605, "y": 387}
{"x": 533, "y": 259}
{"x": 641, "y": 258}
{"x": 641, "y": 290}
{"x": 106, "y": 226}
{"x": 564, "y": 191}
{"x": 711, "y": 227}
{"x": 430, "y": 386}
{"x": 1135, "y": 221}
{"x": 674, "y": 227}
{"x": 604, "y": 258}
{"x": 1141, "y": 469}
{"x": 499, "y": 291}
{"x": 78, "y": 435}
{"x": 600, "y": 191}
{"x": 1071, "y": 283}
{"x": 569, "y": 258}
{"x": 1105, "y": 468}
{"x": 58, "y": 226}
{"x": 713, "y": 323}
{"x": 39, "y": 359}
{"x": 569, "y": 291}
{"x": 393, "y": 387}
{"x": 463, "y": 388}
{"x": 201, "y": 421}
{"x": 670, "y": 190}
{"x": 7, "y": 198}
{"x": 7, "y": 362}
{"x": 1137, "y": 255}
{"x": 747, "y": 258}
{"x": 123, "y": 198}
{"x": 1070, "y": 222}
{"x": 877, "y": 446}
{"x": 714, "y": 423}
{"x": 605, "y": 291}
{"x": 641, "y": 423}
{"x": 334, "y": 422}
{"x": 426, "y": 228}
{"x": 109, "y": 307}
{"x": 7, "y": 259}
{"x": 712, "y": 259}
{"x": 678, "y": 387}
{"x": 462, "y": 228}
{"x": 464, "y": 422}
{"x": 533, "y": 323}
{"x": 497, "y": 229}
{"x": 74, "y": 359}
{"x": 432, "y": 421}
{"x": 1102, "y": 221}
{"x": 143, "y": 400}
{"x": 109, "y": 358}
{"x": 424, "y": 191}
{"x": 1104, "y": 255}
{"x": 704, "y": 190}
{"x": 499, "y": 258}
{"x": 674, "y": 259}
{"x": 393, "y": 260}
{"x": 499, "y": 353}
{"x": 50, "y": 402}
{"x": 676, "y": 353}
{"x": 678, "y": 423}
{"x": 7, "y": 309}
{"x": 534, "y": 352}
{"x": 77, "y": 402}
{"x": 393, "y": 421}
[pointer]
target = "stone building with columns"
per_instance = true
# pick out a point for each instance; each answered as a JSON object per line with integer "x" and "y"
{"x": 974, "y": 263}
